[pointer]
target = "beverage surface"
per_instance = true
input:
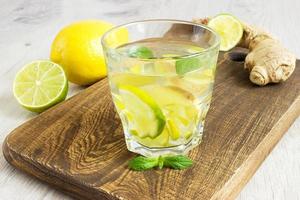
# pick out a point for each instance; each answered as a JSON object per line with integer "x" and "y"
{"x": 163, "y": 48}
{"x": 162, "y": 91}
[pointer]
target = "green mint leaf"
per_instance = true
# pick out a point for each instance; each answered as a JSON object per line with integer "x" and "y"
{"x": 141, "y": 163}
{"x": 140, "y": 52}
{"x": 177, "y": 162}
{"x": 185, "y": 65}
{"x": 160, "y": 162}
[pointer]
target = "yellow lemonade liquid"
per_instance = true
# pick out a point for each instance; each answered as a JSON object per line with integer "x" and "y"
{"x": 162, "y": 99}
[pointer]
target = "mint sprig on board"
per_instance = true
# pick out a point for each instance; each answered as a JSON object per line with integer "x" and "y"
{"x": 141, "y": 163}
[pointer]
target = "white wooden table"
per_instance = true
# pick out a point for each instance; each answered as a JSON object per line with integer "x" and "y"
{"x": 27, "y": 28}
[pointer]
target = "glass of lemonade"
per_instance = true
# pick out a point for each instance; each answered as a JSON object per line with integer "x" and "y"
{"x": 161, "y": 80}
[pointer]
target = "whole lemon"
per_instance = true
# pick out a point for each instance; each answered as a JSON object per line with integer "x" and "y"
{"x": 77, "y": 48}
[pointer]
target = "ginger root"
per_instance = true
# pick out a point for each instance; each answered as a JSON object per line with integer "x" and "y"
{"x": 268, "y": 61}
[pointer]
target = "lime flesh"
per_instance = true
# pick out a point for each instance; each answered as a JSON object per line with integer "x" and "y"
{"x": 40, "y": 85}
{"x": 229, "y": 28}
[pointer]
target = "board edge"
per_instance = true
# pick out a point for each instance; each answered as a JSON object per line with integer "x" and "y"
{"x": 245, "y": 172}
{"x": 22, "y": 165}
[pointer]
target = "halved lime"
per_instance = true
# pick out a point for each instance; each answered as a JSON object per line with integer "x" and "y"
{"x": 229, "y": 28}
{"x": 39, "y": 85}
{"x": 148, "y": 119}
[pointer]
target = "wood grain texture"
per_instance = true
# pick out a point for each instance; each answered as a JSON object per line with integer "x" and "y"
{"x": 78, "y": 145}
{"x": 29, "y": 26}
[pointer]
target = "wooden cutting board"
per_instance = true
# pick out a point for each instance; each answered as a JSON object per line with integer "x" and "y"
{"x": 78, "y": 145}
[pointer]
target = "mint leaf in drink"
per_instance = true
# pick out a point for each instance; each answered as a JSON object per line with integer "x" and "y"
{"x": 185, "y": 65}
{"x": 141, "y": 163}
{"x": 140, "y": 52}
{"x": 178, "y": 162}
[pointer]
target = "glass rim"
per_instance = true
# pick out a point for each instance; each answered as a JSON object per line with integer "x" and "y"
{"x": 213, "y": 46}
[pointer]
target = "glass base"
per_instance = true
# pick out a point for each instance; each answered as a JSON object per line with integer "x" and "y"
{"x": 183, "y": 149}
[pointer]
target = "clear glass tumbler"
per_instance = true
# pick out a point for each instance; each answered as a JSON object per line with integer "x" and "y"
{"x": 161, "y": 74}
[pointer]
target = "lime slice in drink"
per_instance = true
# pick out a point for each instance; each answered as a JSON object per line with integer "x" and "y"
{"x": 188, "y": 134}
{"x": 160, "y": 141}
{"x": 173, "y": 129}
{"x": 178, "y": 106}
{"x": 148, "y": 119}
{"x": 229, "y": 28}
{"x": 39, "y": 85}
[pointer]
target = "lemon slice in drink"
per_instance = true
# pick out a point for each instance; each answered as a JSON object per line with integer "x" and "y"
{"x": 229, "y": 28}
{"x": 39, "y": 85}
{"x": 148, "y": 119}
{"x": 169, "y": 95}
{"x": 118, "y": 102}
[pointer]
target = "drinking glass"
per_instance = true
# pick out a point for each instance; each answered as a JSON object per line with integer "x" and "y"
{"x": 161, "y": 75}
